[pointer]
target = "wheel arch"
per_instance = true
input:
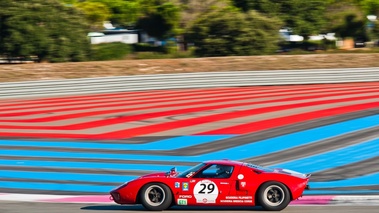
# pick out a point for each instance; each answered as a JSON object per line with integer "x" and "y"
{"x": 138, "y": 198}
{"x": 270, "y": 181}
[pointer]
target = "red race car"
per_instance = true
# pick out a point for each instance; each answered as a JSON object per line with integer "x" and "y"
{"x": 217, "y": 183}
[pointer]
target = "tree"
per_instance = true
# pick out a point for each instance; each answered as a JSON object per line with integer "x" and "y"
{"x": 190, "y": 11}
{"x": 96, "y": 13}
{"x": 303, "y": 17}
{"x": 161, "y": 20}
{"x": 346, "y": 19}
{"x": 369, "y": 7}
{"x": 230, "y": 32}
{"x": 43, "y": 28}
{"x": 124, "y": 13}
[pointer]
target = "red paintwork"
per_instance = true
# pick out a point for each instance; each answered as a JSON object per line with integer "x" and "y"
{"x": 231, "y": 191}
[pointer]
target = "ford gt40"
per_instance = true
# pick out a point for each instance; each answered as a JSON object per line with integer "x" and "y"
{"x": 217, "y": 183}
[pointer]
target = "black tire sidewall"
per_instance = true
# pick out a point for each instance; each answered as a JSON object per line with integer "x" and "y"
{"x": 267, "y": 206}
{"x": 164, "y": 205}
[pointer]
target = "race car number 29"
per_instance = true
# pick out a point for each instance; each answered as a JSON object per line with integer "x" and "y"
{"x": 205, "y": 191}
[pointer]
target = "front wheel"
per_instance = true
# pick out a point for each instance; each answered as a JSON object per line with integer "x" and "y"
{"x": 273, "y": 196}
{"x": 156, "y": 196}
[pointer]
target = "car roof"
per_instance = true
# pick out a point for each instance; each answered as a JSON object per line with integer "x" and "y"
{"x": 225, "y": 162}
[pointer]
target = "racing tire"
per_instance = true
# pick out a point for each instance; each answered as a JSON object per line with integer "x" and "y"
{"x": 273, "y": 196}
{"x": 156, "y": 196}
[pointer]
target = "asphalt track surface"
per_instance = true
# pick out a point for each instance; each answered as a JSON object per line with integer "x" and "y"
{"x": 17, "y": 207}
{"x": 88, "y": 144}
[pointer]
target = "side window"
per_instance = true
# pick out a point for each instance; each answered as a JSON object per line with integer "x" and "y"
{"x": 216, "y": 171}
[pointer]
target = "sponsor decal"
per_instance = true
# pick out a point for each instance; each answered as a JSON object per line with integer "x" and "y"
{"x": 205, "y": 191}
{"x": 237, "y": 199}
{"x": 240, "y": 176}
{"x": 243, "y": 184}
{"x": 177, "y": 185}
{"x": 185, "y": 186}
{"x": 190, "y": 174}
{"x": 185, "y": 196}
{"x": 182, "y": 202}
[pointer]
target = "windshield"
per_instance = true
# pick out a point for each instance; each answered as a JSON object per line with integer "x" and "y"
{"x": 189, "y": 172}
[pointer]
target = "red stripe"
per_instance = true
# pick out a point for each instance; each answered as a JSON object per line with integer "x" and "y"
{"x": 174, "y": 112}
{"x": 121, "y": 135}
{"x": 239, "y": 129}
{"x": 287, "y": 120}
{"x": 155, "y": 93}
{"x": 149, "y": 101}
{"x": 129, "y": 103}
{"x": 202, "y": 120}
{"x": 133, "y": 97}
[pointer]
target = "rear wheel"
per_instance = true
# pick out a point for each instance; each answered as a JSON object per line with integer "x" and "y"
{"x": 156, "y": 196}
{"x": 273, "y": 196}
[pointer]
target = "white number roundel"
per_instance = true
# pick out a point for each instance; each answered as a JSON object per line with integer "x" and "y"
{"x": 205, "y": 191}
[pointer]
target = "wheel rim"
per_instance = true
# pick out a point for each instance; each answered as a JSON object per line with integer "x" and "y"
{"x": 155, "y": 195}
{"x": 274, "y": 195}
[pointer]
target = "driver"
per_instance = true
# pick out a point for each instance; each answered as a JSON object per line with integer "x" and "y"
{"x": 223, "y": 171}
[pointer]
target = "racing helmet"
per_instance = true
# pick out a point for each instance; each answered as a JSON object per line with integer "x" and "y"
{"x": 224, "y": 169}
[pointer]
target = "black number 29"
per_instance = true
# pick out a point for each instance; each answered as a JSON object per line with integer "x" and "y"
{"x": 207, "y": 189}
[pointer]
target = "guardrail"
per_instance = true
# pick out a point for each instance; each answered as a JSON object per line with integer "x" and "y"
{"x": 185, "y": 80}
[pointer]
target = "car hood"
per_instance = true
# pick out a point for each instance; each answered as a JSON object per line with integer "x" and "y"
{"x": 157, "y": 174}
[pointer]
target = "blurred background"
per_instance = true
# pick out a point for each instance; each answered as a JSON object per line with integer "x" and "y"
{"x": 85, "y": 30}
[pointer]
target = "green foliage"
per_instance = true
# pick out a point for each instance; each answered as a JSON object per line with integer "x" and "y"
{"x": 347, "y": 20}
{"x": 110, "y": 51}
{"x": 304, "y": 17}
{"x": 124, "y": 13}
{"x": 369, "y": 7}
{"x": 96, "y": 13}
{"x": 141, "y": 47}
{"x": 43, "y": 28}
{"x": 230, "y": 32}
{"x": 55, "y": 30}
{"x": 143, "y": 51}
{"x": 160, "y": 22}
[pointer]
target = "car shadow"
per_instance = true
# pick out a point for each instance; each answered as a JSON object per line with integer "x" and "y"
{"x": 114, "y": 208}
{"x": 174, "y": 208}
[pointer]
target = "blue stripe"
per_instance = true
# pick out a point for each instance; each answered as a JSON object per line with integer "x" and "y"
{"x": 335, "y": 158}
{"x": 290, "y": 141}
{"x": 166, "y": 144}
{"x": 366, "y": 180}
{"x": 240, "y": 152}
{"x": 91, "y": 165}
{"x": 55, "y": 186}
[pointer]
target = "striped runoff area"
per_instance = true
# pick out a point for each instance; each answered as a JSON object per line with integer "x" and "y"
{"x": 88, "y": 144}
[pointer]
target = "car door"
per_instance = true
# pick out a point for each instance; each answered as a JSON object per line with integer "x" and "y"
{"x": 209, "y": 186}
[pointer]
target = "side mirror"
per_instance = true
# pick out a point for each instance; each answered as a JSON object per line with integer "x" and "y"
{"x": 172, "y": 172}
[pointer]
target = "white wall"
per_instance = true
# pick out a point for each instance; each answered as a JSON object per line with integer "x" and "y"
{"x": 126, "y": 38}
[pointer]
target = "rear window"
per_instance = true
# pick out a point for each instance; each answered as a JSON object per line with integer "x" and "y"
{"x": 254, "y": 166}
